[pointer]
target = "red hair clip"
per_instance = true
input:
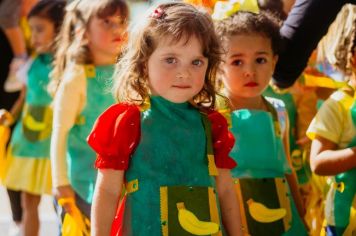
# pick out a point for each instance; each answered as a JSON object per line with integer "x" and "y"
{"x": 157, "y": 13}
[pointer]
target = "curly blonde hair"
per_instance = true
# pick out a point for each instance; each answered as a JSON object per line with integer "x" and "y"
{"x": 338, "y": 45}
{"x": 178, "y": 21}
{"x": 71, "y": 43}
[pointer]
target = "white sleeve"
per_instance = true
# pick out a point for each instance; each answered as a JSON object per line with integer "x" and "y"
{"x": 22, "y": 72}
{"x": 68, "y": 103}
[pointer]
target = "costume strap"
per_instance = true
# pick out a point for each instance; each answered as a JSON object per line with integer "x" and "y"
{"x": 213, "y": 171}
{"x": 275, "y": 116}
{"x": 89, "y": 71}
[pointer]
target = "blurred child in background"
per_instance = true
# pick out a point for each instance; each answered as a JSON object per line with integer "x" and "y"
{"x": 90, "y": 41}
{"x": 333, "y": 132}
{"x": 28, "y": 164}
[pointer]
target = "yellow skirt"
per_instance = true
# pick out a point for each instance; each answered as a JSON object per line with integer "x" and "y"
{"x": 32, "y": 175}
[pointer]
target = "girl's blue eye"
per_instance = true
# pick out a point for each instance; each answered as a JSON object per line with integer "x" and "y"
{"x": 197, "y": 62}
{"x": 236, "y": 62}
{"x": 261, "y": 60}
{"x": 107, "y": 22}
{"x": 170, "y": 60}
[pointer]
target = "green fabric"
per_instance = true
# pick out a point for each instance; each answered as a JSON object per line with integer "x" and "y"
{"x": 257, "y": 151}
{"x": 27, "y": 140}
{"x": 178, "y": 158}
{"x": 353, "y": 113}
{"x": 302, "y": 167}
{"x": 319, "y": 103}
{"x": 260, "y": 154}
{"x": 80, "y": 156}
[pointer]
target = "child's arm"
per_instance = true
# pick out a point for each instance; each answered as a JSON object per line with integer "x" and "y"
{"x": 230, "y": 209}
{"x": 17, "y": 107}
{"x": 106, "y": 197}
{"x": 325, "y": 160}
{"x": 292, "y": 178}
{"x": 66, "y": 106}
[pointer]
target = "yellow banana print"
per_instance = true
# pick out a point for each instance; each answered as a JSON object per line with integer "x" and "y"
{"x": 261, "y": 213}
{"x": 33, "y": 125}
{"x": 192, "y": 224}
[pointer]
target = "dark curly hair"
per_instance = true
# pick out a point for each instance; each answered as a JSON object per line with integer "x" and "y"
{"x": 244, "y": 22}
{"x": 275, "y": 7}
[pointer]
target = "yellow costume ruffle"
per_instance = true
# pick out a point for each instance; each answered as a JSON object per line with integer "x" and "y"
{"x": 32, "y": 175}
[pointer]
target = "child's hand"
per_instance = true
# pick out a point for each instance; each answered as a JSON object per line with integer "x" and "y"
{"x": 303, "y": 141}
{"x": 65, "y": 192}
{"x": 17, "y": 62}
{"x": 6, "y": 118}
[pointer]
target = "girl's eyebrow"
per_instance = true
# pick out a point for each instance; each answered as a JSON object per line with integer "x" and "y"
{"x": 169, "y": 54}
{"x": 236, "y": 55}
{"x": 262, "y": 53}
{"x": 257, "y": 53}
{"x": 201, "y": 56}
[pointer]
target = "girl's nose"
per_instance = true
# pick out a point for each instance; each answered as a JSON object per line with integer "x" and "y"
{"x": 249, "y": 72}
{"x": 182, "y": 74}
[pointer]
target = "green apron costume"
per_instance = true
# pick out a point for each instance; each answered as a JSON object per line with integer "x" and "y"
{"x": 343, "y": 190}
{"x": 31, "y": 137}
{"x": 80, "y": 156}
{"x": 164, "y": 191}
{"x": 267, "y": 205}
{"x": 299, "y": 161}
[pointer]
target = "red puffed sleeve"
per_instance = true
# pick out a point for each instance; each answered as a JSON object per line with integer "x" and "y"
{"x": 223, "y": 140}
{"x": 115, "y": 136}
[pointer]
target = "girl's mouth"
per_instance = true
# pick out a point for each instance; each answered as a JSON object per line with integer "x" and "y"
{"x": 118, "y": 39}
{"x": 251, "y": 84}
{"x": 181, "y": 86}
